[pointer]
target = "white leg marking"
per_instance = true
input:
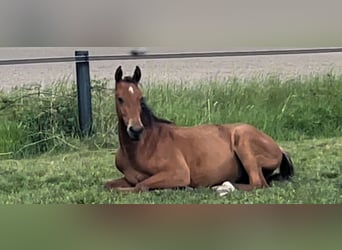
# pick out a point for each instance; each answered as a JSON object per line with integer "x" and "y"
{"x": 224, "y": 189}
{"x": 130, "y": 89}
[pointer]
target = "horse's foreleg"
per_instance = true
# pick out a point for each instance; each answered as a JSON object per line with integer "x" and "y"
{"x": 166, "y": 179}
{"x": 128, "y": 182}
{"x": 118, "y": 183}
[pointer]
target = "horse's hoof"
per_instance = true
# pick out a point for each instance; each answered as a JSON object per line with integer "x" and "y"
{"x": 140, "y": 188}
{"x": 108, "y": 185}
{"x": 125, "y": 189}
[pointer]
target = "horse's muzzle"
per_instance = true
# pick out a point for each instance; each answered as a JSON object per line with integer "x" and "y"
{"x": 134, "y": 132}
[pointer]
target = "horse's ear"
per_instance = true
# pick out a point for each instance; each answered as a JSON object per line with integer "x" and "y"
{"x": 118, "y": 74}
{"x": 137, "y": 74}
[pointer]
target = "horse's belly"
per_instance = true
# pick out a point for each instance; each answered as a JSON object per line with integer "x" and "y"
{"x": 214, "y": 172}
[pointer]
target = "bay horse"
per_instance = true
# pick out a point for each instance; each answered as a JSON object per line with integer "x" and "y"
{"x": 157, "y": 154}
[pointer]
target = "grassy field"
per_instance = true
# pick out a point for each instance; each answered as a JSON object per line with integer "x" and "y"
{"x": 42, "y": 159}
{"x": 79, "y": 177}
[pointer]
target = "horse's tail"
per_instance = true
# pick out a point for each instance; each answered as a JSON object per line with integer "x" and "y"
{"x": 286, "y": 170}
{"x": 286, "y": 166}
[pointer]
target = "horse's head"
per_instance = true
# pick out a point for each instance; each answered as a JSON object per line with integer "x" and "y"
{"x": 129, "y": 97}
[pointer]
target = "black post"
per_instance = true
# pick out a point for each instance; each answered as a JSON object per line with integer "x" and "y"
{"x": 84, "y": 93}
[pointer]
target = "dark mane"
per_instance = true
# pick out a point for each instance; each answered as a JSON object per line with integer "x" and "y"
{"x": 148, "y": 118}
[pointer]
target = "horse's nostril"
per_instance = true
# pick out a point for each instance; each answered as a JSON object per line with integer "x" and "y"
{"x": 136, "y": 130}
{"x": 139, "y": 130}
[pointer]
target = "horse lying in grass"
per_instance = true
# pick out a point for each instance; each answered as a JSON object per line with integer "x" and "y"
{"x": 156, "y": 154}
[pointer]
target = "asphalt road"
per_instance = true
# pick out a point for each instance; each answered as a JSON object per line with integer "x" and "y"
{"x": 159, "y": 71}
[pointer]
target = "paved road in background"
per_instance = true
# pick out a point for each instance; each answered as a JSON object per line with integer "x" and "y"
{"x": 159, "y": 71}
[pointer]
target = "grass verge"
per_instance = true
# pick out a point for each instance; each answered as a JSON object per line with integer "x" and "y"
{"x": 78, "y": 177}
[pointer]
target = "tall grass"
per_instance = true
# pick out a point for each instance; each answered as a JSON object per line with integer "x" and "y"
{"x": 35, "y": 120}
{"x": 286, "y": 110}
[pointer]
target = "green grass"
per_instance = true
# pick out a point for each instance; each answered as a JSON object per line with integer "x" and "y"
{"x": 39, "y": 120}
{"x": 79, "y": 177}
{"x": 42, "y": 159}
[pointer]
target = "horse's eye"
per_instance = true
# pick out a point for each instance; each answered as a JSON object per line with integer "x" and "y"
{"x": 121, "y": 101}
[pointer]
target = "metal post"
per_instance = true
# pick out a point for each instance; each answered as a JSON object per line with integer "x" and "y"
{"x": 84, "y": 93}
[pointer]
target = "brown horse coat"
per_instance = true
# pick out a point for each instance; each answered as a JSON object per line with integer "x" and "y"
{"x": 155, "y": 153}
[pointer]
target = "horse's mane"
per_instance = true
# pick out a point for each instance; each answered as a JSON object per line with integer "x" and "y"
{"x": 149, "y": 118}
